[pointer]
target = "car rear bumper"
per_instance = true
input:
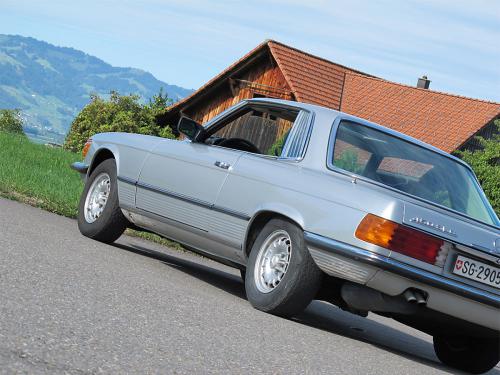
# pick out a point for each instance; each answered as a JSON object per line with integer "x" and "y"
{"x": 392, "y": 277}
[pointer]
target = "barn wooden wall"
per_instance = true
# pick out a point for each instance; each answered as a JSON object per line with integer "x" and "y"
{"x": 267, "y": 80}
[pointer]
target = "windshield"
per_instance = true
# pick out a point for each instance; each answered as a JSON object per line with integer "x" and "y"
{"x": 410, "y": 168}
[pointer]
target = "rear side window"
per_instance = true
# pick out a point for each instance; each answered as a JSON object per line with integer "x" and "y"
{"x": 296, "y": 140}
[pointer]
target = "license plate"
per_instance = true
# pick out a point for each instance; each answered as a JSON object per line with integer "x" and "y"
{"x": 477, "y": 271}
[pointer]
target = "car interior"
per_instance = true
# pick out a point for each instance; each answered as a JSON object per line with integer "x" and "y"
{"x": 256, "y": 129}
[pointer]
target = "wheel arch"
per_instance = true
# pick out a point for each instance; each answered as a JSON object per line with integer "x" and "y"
{"x": 262, "y": 217}
{"x": 103, "y": 153}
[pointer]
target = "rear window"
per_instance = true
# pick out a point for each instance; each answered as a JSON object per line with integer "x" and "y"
{"x": 410, "y": 168}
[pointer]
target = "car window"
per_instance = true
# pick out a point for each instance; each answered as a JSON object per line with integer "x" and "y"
{"x": 267, "y": 130}
{"x": 296, "y": 141}
{"x": 350, "y": 157}
{"x": 410, "y": 168}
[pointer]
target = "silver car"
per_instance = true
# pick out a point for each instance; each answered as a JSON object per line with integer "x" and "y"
{"x": 311, "y": 203}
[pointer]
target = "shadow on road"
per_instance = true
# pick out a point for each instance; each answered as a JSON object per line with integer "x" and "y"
{"x": 319, "y": 315}
{"x": 223, "y": 280}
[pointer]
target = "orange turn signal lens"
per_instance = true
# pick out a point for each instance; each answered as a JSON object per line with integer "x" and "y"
{"x": 399, "y": 238}
{"x": 86, "y": 147}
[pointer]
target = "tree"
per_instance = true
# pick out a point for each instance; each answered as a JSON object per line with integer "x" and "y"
{"x": 120, "y": 113}
{"x": 11, "y": 121}
{"x": 486, "y": 165}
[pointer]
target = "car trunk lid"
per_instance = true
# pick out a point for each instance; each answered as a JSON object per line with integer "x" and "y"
{"x": 484, "y": 239}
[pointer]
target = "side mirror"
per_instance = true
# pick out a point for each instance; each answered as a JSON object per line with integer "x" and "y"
{"x": 190, "y": 128}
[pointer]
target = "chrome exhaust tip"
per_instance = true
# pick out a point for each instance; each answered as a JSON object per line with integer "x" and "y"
{"x": 421, "y": 300}
{"x": 410, "y": 296}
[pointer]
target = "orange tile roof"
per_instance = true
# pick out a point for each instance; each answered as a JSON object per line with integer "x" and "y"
{"x": 445, "y": 121}
{"x": 312, "y": 79}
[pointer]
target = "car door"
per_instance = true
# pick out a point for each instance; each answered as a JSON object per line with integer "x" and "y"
{"x": 257, "y": 179}
{"x": 180, "y": 181}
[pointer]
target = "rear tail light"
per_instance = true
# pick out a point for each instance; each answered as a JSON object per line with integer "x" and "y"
{"x": 399, "y": 238}
{"x": 86, "y": 147}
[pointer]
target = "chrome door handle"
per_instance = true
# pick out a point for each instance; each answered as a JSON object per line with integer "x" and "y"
{"x": 222, "y": 164}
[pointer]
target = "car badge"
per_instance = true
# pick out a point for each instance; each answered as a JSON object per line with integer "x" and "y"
{"x": 438, "y": 227}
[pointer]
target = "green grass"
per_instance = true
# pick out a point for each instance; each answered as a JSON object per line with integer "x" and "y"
{"x": 40, "y": 176}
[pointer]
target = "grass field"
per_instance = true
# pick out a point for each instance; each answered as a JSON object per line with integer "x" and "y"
{"x": 40, "y": 176}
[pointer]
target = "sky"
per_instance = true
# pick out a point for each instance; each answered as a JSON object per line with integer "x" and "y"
{"x": 456, "y": 43}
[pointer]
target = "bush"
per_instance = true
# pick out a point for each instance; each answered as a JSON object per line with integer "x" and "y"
{"x": 11, "y": 121}
{"x": 486, "y": 165}
{"x": 118, "y": 114}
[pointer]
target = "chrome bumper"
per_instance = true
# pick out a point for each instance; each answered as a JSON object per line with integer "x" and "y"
{"x": 80, "y": 167}
{"x": 328, "y": 245}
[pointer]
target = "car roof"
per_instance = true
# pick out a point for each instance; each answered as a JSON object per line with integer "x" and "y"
{"x": 334, "y": 114}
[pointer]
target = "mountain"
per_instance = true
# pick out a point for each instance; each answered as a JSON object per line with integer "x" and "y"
{"x": 52, "y": 84}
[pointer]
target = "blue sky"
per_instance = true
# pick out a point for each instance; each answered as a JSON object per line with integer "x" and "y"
{"x": 186, "y": 42}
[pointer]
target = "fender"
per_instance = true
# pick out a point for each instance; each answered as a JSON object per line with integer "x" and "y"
{"x": 270, "y": 208}
{"x": 96, "y": 152}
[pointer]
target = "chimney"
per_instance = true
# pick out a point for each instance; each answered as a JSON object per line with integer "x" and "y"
{"x": 423, "y": 82}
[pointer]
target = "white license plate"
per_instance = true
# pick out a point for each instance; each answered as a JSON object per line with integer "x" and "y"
{"x": 477, "y": 271}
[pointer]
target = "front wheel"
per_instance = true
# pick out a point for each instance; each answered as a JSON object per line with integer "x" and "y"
{"x": 99, "y": 214}
{"x": 281, "y": 276}
{"x": 474, "y": 355}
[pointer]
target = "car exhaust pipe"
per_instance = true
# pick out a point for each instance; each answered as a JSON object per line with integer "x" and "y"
{"x": 361, "y": 298}
{"x": 421, "y": 297}
{"x": 410, "y": 296}
{"x": 415, "y": 296}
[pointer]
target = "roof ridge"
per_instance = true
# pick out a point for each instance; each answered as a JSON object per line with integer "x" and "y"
{"x": 356, "y": 71}
{"x": 422, "y": 89}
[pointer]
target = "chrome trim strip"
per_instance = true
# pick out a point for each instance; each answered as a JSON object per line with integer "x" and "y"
{"x": 126, "y": 180}
{"x": 80, "y": 167}
{"x": 229, "y": 212}
{"x": 402, "y": 269}
{"x": 172, "y": 194}
{"x": 185, "y": 198}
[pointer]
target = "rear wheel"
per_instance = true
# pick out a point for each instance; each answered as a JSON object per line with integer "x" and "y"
{"x": 281, "y": 277}
{"x": 474, "y": 355}
{"x": 99, "y": 215}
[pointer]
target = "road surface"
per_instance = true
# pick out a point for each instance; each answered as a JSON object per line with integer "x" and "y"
{"x": 70, "y": 305}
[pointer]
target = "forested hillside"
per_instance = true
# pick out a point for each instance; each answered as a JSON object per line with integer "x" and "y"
{"x": 51, "y": 84}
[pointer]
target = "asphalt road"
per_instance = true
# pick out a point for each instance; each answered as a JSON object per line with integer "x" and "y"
{"x": 70, "y": 305}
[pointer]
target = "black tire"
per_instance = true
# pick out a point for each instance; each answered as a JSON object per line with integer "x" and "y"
{"x": 300, "y": 283}
{"x": 473, "y": 355}
{"x": 111, "y": 223}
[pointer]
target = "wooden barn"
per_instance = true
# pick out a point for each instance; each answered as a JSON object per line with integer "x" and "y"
{"x": 275, "y": 70}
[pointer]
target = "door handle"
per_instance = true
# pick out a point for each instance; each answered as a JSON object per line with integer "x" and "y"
{"x": 222, "y": 164}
